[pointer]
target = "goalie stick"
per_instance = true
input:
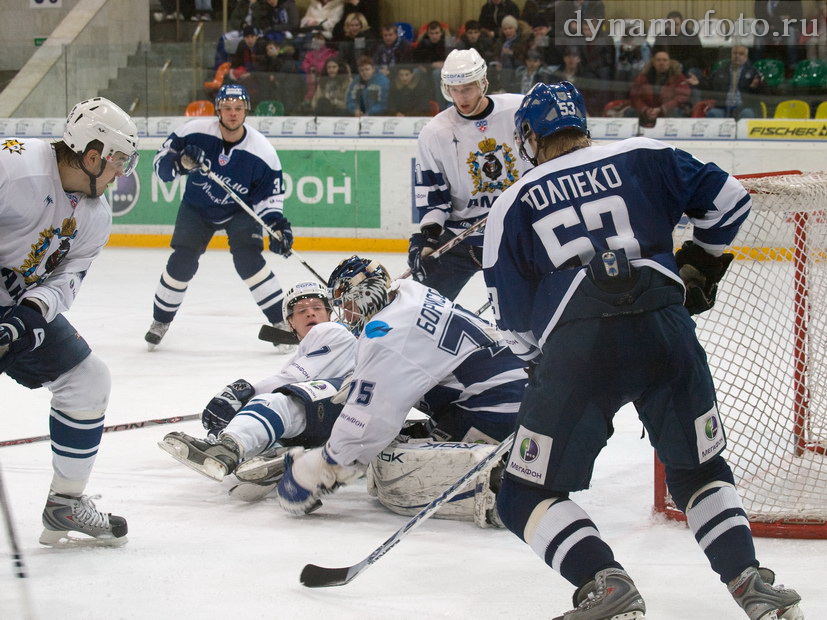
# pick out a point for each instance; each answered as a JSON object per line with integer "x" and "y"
{"x": 314, "y": 576}
{"x": 218, "y": 181}
{"x": 114, "y": 428}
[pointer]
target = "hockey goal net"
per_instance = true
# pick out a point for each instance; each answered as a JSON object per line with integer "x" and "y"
{"x": 766, "y": 340}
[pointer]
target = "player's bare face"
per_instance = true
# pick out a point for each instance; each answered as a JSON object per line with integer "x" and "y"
{"x": 231, "y": 114}
{"x": 306, "y": 314}
{"x": 467, "y": 98}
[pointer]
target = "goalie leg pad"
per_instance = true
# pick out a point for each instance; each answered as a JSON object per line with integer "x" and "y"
{"x": 406, "y": 477}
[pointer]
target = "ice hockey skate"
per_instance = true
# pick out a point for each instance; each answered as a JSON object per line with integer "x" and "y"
{"x": 155, "y": 334}
{"x": 66, "y": 516}
{"x": 284, "y": 348}
{"x": 214, "y": 460}
{"x": 611, "y": 596}
{"x": 754, "y": 591}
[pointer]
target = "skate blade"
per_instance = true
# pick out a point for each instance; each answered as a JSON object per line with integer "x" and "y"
{"x": 64, "y": 539}
{"x": 251, "y": 492}
{"x": 209, "y": 467}
{"x": 792, "y": 613}
{"x": 259, "y": 469}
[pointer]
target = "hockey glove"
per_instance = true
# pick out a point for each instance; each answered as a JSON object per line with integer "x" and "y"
{"x": 223, "y": 407}
{"x": 309, "y": 475}
{"x": 23, "y": 329}
{"x": 420, "y": 245}
{"x": 190, "y": 158}
{"x": 700, "y": 273}
{"x": 282, "y": 242}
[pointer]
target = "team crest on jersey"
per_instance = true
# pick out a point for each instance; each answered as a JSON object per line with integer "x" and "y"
{"x": 29, "y": 269}
{"x": 223, "y": 159}
{"x": 13, "y": 146}
{"x": 492, "y": 167}
{"x": 482, "y": 124}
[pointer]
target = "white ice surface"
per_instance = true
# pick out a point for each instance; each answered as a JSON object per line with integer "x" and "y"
{"x": 193, "y": 552}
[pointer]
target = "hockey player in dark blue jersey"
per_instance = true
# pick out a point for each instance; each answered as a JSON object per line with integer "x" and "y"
{"x": 579, "y": 265}
{"x": 248, "y": 163}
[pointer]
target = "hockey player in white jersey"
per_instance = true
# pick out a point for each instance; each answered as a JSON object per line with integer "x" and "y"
{"x": 247, "y": 162}
{"x": 580, "y": 267}
{"x": 466, "y": 158}
{"x": 291, "y": 407}
{"x": 413, "y": 342}
{"x": 54, "y": 221}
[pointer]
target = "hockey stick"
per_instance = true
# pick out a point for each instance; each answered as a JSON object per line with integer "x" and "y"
{"x": 220, "y": 182}
{"x": 314, "y": 576}
{"x": 114, "y": 428}
{"x": 18, "y": 564}
{"x": 268, "y": 333}
{"x": 451, "y": 243}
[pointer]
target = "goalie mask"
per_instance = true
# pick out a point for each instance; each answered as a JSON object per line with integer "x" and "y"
{"x": 359, "y": 288}
{"x": 305, "y": 290}
{"x": 545, "y": 110}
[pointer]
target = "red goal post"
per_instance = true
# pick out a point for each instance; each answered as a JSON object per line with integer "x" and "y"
{"x": 766, "y": 340}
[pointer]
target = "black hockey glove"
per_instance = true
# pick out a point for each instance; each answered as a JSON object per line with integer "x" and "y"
{"x": 701, "y": 273}
{"x": 190, "y": 158}
{"x": 283, "y": 243}
{"x": 22, "y": 329}
{"x": 223, "y": 407}
{"x": 426, "y": 239}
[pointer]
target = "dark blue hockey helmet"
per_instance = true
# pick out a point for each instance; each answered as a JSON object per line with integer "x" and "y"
{"x": 359, "y": 288}
{"x": 233, "y": 91}
{"x": 545, "y": 110}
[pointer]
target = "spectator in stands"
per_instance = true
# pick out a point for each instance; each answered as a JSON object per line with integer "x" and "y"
{"x": 242, "y": 15}
{"x": 313, "y": 62}
{"x": 542, "y": 40}
{"x": 814, "y": 38}
{"x": 432, "y": 46}
{"x": 510, "y": 49}
{"x": 279, "y": 77}
{"x": 682, "y": 43}
{"x": 474, "y": 38}
{"x": 322, "y": 14}
{"x": 660, "y": 90}
{"x": 368, "y": 92}
{"x": 248, "y": 57}
{"x": 492, "y": 13}
{"x": 280, "y": 18}
{"x": 411, "y": 92}
{"x": 570, "y": 70}
{"x": 368, "y": 8}
{"x": 544, "y": 9}
{"x": 392, "y": 50}
{"x": 631, "y": 55}
{"x": 354, "y": 42}
{"x": 735, "y": 86}
{"x": 203, "y": 11}
{"x": 598, "y": 53}
{"x": 569, "y": 15}
{"x": 330, "y": 97}
{"x": 533, "y": 71}
{"x": 784, "y": 18}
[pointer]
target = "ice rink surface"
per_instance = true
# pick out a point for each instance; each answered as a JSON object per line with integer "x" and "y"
{"x": 194, "y": 552}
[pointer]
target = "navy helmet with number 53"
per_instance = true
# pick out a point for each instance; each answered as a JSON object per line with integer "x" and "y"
{"x": 545, "y": 110}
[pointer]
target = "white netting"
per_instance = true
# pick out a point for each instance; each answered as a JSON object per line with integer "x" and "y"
{"x": 766, "y": 339}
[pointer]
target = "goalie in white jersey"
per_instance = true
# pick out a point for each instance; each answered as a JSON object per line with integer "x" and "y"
{"x": 289, "y": 408}
{"x": 466, "y": 158}
{"x": 413, "y": 342}
{"x": 54, "y": 221}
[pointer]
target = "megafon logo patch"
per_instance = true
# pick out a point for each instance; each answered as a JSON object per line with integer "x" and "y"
{"x": 711, "y": 428}
{"x": 529, "y": 450}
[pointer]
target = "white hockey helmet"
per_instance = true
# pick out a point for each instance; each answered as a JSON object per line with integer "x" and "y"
{"x": 100, "y": 119}
{"x": 305, "y": 290}
{"x": 463, "y": 67}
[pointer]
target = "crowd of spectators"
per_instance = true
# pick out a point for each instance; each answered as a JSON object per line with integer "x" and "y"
{"x": 340, "y": 57}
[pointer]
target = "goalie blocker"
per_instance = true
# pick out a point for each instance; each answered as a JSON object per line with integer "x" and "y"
{"x": 406, "y": 476}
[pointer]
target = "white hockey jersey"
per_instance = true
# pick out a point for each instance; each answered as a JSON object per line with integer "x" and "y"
{"x": 419, "y": 341}
{"x": 48, "y": 238}
{"x": 464, "y": 164}
{"x": 327, "y": 351}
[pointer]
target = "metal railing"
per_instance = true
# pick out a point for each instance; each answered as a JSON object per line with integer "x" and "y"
{"x": 197, "y": 60}
{"x": 164, "y": 81}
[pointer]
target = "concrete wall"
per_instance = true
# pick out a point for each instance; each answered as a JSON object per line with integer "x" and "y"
{"x": 83, "y": 52}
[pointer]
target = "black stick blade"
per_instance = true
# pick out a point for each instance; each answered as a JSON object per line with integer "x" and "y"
{"x": 320, "y": 577}
{"x": 268, "y": 333}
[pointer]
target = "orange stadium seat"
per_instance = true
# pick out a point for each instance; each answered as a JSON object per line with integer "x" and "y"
{"x": 200, "y": 107}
